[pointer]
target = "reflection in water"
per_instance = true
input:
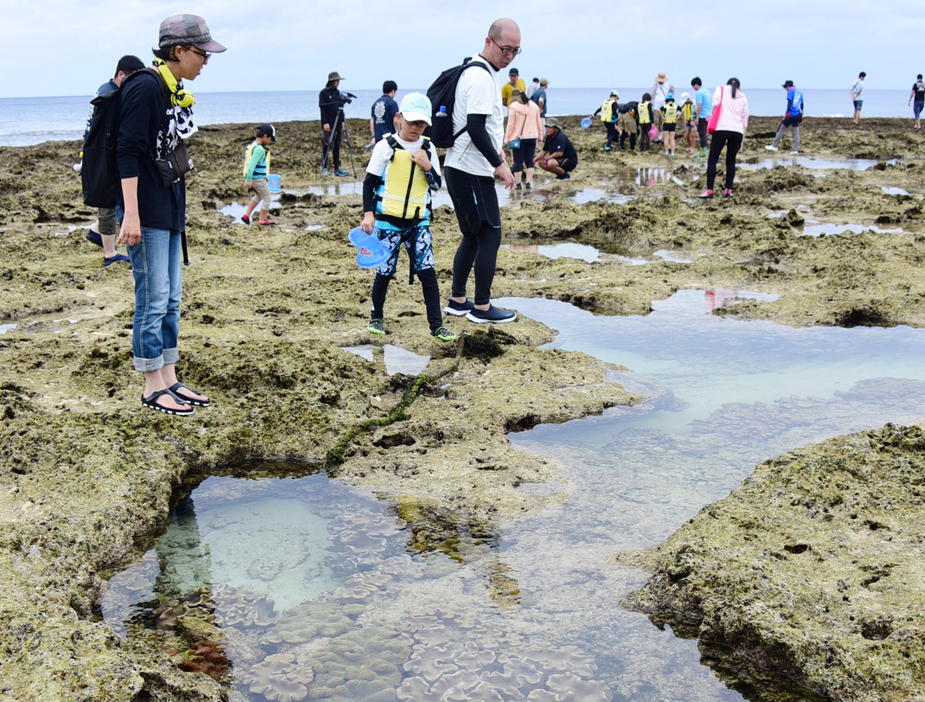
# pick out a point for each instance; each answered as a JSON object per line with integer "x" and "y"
{"x": 236, "y": 209}
{"x": 391, "y": 359}
{"x": 725, "y": 396}
{"x": 894, "y": 191}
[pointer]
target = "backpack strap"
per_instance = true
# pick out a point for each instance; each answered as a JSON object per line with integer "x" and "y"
{"x": 469, "y": 62}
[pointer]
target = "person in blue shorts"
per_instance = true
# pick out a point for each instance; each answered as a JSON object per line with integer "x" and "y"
{"x": 917, "y": 100}
{"x": 856, "y": 89}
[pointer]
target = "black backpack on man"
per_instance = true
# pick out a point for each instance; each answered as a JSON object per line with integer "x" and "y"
{"x": 442, "y": 96}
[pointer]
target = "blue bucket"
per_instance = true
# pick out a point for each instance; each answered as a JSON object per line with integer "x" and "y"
{"x": 586, "y": 123}
{"x": 370, "y": 251}
{"x": 274, "y": 181}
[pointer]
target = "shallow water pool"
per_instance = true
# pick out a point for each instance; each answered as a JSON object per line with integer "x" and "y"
{"x": 321, "y": 590}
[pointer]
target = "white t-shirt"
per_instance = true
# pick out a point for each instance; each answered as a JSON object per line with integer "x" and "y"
{"x": 478, "y": 92}
{"x": 382, "y": 153}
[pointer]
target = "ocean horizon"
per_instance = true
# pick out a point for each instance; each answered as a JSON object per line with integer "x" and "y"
{"x": 27, "y": 121}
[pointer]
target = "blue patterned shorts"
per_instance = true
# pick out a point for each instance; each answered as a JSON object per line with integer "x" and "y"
{"x": 418, "y": 242}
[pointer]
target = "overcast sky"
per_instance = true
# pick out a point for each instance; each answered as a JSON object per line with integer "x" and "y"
{"x": 69, "y": 47}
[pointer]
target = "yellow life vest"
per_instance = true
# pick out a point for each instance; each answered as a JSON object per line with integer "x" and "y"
{"x": 607, "y": 111}
{"x": 250, "y": 151}
{"x": 403, "y": 195}
{"x": 671, "y": 113}
{"x": 644, "y": 114}
{"x": 687, "y": 109}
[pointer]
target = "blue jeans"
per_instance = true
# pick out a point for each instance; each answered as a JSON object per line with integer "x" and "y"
{"x": 158, "y": 283}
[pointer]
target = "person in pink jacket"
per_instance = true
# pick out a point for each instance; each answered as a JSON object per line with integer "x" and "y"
{"x": 523, "y": 122}
{"x": 730, "y": 132}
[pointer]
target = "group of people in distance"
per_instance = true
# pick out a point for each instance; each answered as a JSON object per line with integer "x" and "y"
{"x": 150, "y": 213}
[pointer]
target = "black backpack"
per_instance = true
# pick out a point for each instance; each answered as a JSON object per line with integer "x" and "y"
{"x": 99, "y": 174}
{"x": 442, "y": 96}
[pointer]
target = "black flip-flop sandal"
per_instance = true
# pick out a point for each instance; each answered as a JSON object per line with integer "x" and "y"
{"x": 175, "y": 389}
{"x": 151, "y": 403}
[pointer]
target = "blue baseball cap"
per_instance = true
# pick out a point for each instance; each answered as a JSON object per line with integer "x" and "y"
{"x": 416, "y": 107}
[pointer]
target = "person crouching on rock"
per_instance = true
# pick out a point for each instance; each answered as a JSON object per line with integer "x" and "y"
{"x": 156, "y": 116}
{"x": 558, "y": 155}
{"x": 403, "y": 170}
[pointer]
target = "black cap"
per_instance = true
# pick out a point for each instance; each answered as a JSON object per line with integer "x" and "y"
{"x": 267, "y": 130}
{"x": 787, "y": 84}
{"x": 513, "y": 72}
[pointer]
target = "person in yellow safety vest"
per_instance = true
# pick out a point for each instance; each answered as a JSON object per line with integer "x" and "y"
{"x": 256, "y": 170}
{"x": 610, "y": 113}
{"x": 645, "y": 117}
{"x": 669, "y": 123}
{"x": 690, "y": 129}
{"x": 403, "y": 170}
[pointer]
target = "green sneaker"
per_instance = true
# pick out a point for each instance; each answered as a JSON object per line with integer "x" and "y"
{"x": 376, "y": 327}
{"x": 443, "y": 334}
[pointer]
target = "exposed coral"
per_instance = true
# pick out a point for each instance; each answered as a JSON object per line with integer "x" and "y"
{"x": 205, "y": 657}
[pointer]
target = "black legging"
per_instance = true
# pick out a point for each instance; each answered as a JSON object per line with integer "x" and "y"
{"x": 476, "y": 203}
{"x": 428, "y": 280}
{"x": 733, "y": 142}
{"x": 479, "y": 251}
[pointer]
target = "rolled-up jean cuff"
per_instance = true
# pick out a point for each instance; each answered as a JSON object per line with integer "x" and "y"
{"x": 171, "y": 356}
{"x": 147, "y": 365}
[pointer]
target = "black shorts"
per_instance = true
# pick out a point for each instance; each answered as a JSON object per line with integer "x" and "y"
{"x": 475, "y": 200}
{"x": 669, "y": 127}
{"x": 567, "y": 164}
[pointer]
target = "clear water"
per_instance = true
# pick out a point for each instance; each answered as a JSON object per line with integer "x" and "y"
{"x": 536, "y": 607}
{"x": 853, "y": 164}
{"x": 391, "y": 359}
{"x": 569, "y": 249}
{"x": 823, "y": 229}
{"x": 894, "y": 191}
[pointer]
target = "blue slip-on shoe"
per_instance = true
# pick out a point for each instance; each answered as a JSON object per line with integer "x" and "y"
{"x": 493, "y": 315}
{"x": 94, "y": 238}
{"x": 325, "y": 171}
{"x": 458, "y": 309}
{"x": 115, "y": 259}
{"x": 341, "y": 172}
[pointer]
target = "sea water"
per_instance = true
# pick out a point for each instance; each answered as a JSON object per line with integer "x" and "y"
{"x": 26, "y": 121}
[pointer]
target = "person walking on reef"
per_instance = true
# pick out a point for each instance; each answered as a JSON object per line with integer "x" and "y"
{"x": 856, "y": 89}
{"x": 471, "y": 165}
{"x": 515, "y": 82}
{"x": 659, "y": 92}
{"x": 730, "y": 133}
{"x": 610, "y": 115}
{"x": 703, "y": 110}
{"x": 792, "y": 118}
{"x": 329, "y": 102}
{"x": 104, "y": 230}
{"x": 917, "y": 100}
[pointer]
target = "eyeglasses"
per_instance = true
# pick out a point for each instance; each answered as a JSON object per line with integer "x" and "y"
{"x": 204, "y": 54}
{"x": 509, "y": 51}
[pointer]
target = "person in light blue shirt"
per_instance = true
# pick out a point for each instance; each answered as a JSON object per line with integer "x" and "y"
{"x": 856, "y": 98}
{"x": 703, "y": 108}
{"x": 792, "y": 118}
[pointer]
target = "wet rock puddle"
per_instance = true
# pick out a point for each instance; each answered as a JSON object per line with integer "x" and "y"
{"x": 319, "y": 592}
{"x": 390, "y": 359}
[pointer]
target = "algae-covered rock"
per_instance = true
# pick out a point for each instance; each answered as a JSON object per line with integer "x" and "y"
{"x": 811, "y": 569}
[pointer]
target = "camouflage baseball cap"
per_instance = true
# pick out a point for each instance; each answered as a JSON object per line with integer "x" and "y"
{"x": 187, "y": 29}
